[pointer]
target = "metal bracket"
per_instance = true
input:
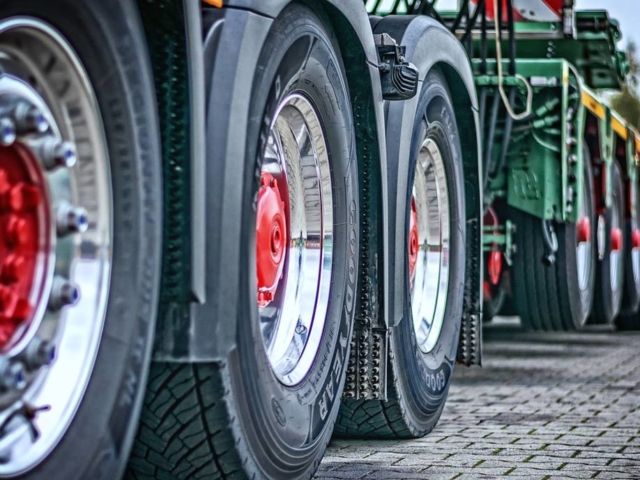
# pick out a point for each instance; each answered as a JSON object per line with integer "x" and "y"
{"x": 399, "y": 78}
{"x": 368, "y": 365}
{"x": 500, "y": 237}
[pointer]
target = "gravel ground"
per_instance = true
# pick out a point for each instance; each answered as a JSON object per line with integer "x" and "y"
{"x": 543, "y": 406}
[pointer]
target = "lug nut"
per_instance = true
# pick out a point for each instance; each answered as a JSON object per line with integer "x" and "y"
{"x": 63, "y": 293}
{"x": 54, "y": 153}
{"x": 39, "y": 353}
{"x": 70, "y": 219}
{"x": 29, "y": 119}
{"x": 12, "y": 375}
{"x": 7, "y": 132}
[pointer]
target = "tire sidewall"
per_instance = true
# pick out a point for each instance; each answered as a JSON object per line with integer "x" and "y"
{"x": 97, "y": 442}
{"x": 609, "y": 301}
{"x": 631, "y": 300}
{"x": 425, "y": 378}
{"x": 580, "y": 301}
{"x": 274, "y": 417}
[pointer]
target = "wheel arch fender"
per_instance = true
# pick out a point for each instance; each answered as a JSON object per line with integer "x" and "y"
{"x": 431, "y": 46}
{"x": 234, "y": 36}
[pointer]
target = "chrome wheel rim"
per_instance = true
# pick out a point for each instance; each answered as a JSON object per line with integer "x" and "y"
{"x": 584, "y": 241}
{"x": 429, "y": 275}
{"x": 295, "y": 258}
{"x": 615, "y": 255}
{"x": 64, "y": 142}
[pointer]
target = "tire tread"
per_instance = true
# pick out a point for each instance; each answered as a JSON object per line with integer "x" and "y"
{"x": 185, "y": 429}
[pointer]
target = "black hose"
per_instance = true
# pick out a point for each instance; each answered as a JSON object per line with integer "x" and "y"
{"x": 506, "y": 137}
{"x": 490, "y": 138}
{"x": 466, "y": 38}
{"x": 483, "y": 42}
{"x": 512, "y": 38}
{"x": 483, "y": 108}
{"x": 464, "y": 8}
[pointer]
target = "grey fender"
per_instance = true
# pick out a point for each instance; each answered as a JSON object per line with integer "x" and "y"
{"x": 234, "y": 36}
{"x": 430, "y": 45}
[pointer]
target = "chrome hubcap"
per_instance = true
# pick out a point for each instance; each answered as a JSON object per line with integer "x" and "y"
{"x": 615, "y": 255}
{"x": 294, "y": 253}
{"x": 584, "y": 242}
{"x": 430, "y": 270}
{"x": 56, "y": 246}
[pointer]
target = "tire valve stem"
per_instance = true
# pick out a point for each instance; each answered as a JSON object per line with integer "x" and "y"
{"x": 29, "y": 413}
{"x": 63, "y": 293}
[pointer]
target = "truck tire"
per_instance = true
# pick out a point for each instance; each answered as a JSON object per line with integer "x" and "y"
{"x": 609, "y": 286}
{"x": 423, "y": 353}
{"x": 268, "y": 411}
{"x": 555, "y": 294}
{"x": 631, "y": 298}
{"x": 493, "y": 301}
{"x": 82, "y": 251}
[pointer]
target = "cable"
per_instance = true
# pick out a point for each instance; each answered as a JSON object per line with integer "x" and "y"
{"x": 529, "y": 106}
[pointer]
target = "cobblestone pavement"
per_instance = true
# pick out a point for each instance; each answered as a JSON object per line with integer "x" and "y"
{"x": 544, "y": 406}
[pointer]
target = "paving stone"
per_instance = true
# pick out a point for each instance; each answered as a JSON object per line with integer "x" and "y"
{"x": 544, "y": 406}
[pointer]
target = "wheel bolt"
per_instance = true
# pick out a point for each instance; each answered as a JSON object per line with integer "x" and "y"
{"x": 12, "y": 376}
{"x": 39, "y": 353}
{"x": 7, "y": 132}
{"x": 29, "y": 119}
{"x": 54, "y": 153}
{"x": 63, "y": 293}
{"x": 70, "y": 219}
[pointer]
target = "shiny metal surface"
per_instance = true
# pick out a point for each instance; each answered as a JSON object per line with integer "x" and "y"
{"x": 297, "y": 157}
{"x": 584, "y": 255}
{"x": 430, "y": 280}
{"x": 42, "y": 69}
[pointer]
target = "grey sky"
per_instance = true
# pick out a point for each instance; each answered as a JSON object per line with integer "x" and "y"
{"x": 627, "y": 12}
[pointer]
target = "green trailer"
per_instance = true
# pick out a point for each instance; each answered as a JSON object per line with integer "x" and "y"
{"x": 560, "y": 181}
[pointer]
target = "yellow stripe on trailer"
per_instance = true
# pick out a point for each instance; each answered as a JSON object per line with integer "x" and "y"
{"x": 619, "y": 127}
{"x": 593, "y": 104}
{"x": 637, "y": 149}
{"x": 215, "y": 3}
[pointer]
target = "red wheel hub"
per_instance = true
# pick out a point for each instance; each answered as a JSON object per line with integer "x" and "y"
{"x": 583, "y": 230}
{"x": 21, "y": 224}
{"x": 494, "y": 259}
{"x": 616, "y": 239}
{"x": 271, "y": 239}
{"x": 414, "y": 238}
{"x": 635, "y": 239}
{"x": 494, "y": 267}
